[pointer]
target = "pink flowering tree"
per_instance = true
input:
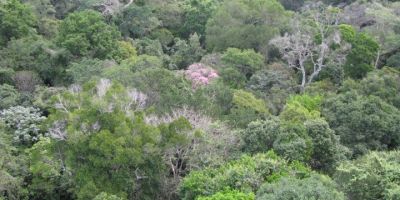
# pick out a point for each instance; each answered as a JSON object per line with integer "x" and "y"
{"x": 200, "y": 74}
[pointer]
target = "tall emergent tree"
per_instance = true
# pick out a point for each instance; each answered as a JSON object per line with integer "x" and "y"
{"x": 314, "y": 43}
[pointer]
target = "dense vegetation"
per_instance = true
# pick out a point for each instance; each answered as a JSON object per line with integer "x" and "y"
{"x": 199, "y": 99}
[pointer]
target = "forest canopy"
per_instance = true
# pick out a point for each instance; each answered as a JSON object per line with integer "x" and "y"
{"x": 199, "y": 99}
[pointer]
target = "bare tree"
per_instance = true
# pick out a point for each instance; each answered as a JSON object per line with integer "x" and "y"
{"x": 308, "y": 48}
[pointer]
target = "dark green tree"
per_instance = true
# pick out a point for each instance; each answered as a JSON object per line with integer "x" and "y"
{"x": 314, "y": 187}
{"x": 86, "y": 34}
{"x": 245, "y": 24}
{"x": 244, "y": 175}
{"x": 373, "y": 176}
{"x": 362, "y": 55}
{"x": 363, "y": 122}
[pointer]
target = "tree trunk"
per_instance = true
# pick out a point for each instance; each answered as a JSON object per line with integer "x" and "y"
{"x": 303, "y": 80}
{"x": 377, "y": 59}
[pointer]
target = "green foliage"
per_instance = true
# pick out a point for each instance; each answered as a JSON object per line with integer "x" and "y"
{"x": 12, "y": 168}
{"x": 24, "y": 123}
{"x": 244, "y": 24}
{"x": 259, "y": 136}
{"x": 86, "y": 34}
{"x": 246, "y": 108}
{"x": 363, "y": 122}
{"x": 9, "y": 96}
{"x": 373, "y": 176}
{"x": 314, "y": 187}
{"x": 328, "y": 152}
{"x": 229, "y": 195}
{"x": 137, "y": 21}
{"x": 274, "y": 85}
{"x": 6, "y": 75}
{"x": 106, "y": 148}
{"x": 123, "y": 73}
{"x": 196, "y": 14}
{"x": 300, "y": 108}
{"x": 43, "y": 97}
{"x": 85, "y": 70}
{"x": 362, "y": 54}
{"x": 164, "y": 89}
{"x": 394, "y": 61}
{"x": 36, "y": 54}
{"x": 16, "y": 20}
{"x": 88, "y": 114}
{"x": 245, "y": 175}
{"x": 245, "y": 61}
{"x": 312, "y": 142}
{"x": 186, "y": 53}
{"x": 293, "y": 143}
{"x": 163, "y": 35}
{"x": 384, "y": 84}
{"x": 149, "y": 46}
{"x": 292, "y": 4}
{"x": 105, "y": 196}
{"x": 50, "y": 177}
{"x": 144, "y": 62}
{"x": 125, "y": 51}
{"x": 232, "y": 77}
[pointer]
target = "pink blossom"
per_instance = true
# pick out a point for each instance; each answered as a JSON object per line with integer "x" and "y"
{"x": 200, "y": 74}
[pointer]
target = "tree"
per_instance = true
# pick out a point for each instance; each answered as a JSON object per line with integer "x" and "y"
{"x": 185, "y": 53}
{"x": 144, "y": 62}
{"x": 50, "y": 178}
{"x": 165, "y": 89}
{"x": 363, "y": 122}
{"x": 300, "y": 137}
{"x": 384, "y": 83}
{"x": 16, "y": 20}
{"x": 229, "y": 195}
{"x": 362, "y": 55}
{"x": 47, "y": 23}
{"x": 372, "y": 176}
{"x": 196, "y": 14}
{"x": 9, "y": 96}
{"x": 107, "y": 146}
{"x": 232, "y": 77}
{"x": 86, "y": 69}
{"x": 292, "y": 4}
{"x": 314, "y": 187}
{"x": 288, "y": 140}
{"x": 26, "y": 81}
{"x": 86, "y": 34}
{"x": 273, "y": 84}
{"x": 309, "y": 48}
{"x": 12, "y": 168}
{"x": 328, "y": 152}
{"x": 35, "y": 53}
{"x": 394, "y": 61}
{"x": 200, "y": 74}
{"x": 244, "y": 175}
{"x": 384, "y": 29}
{"x": 6, "y": 75}
{"x": 191, "y": 141}
{"x": 105, "y": 196}
{"x": 24, "y": 123}
{"x": 301, "y": 108}
{"x": 137, "y": 21}
{"x": 246, "y": 108}
{"x": 245, "y": 61}
{"x": 244, "y": 24}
